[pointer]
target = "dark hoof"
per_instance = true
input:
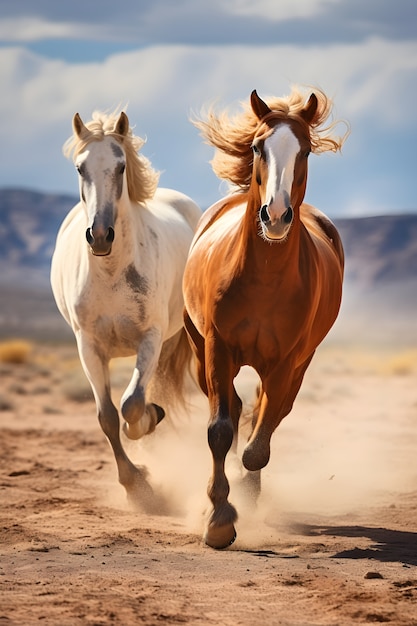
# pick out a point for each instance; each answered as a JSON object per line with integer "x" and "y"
{"x": 160, "y": 413}
{"x": 220, "y": 537}
{"x": 256, "y": 455}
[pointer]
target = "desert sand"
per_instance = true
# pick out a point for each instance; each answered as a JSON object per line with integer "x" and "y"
{"x": 332, "y": 541}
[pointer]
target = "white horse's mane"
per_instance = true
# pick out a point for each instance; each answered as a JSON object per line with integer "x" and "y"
{"x": 142, "y": 179}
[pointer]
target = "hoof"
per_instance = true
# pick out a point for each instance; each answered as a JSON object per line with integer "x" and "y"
{"x": 133, "y": 431}
{"x": 160, "y": 413}
{"x": 147, "y": 423}
{"x": 255, "y": 456}
{"x": 220, "y": 537}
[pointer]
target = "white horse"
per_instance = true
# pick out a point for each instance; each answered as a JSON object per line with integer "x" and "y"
{"x": 116, "y": 277}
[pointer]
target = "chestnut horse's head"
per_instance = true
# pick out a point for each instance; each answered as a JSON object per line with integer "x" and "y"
{"x": 281, "y": 146}
{"x": 263, "y": 152}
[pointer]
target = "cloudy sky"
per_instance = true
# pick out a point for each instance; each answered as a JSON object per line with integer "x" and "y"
{"x": 166, "y": 59}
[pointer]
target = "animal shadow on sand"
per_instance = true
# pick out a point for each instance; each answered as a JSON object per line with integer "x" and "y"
{"x": 387, "y": 545}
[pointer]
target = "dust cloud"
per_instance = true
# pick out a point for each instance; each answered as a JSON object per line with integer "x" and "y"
{"x": 336, "y": 452}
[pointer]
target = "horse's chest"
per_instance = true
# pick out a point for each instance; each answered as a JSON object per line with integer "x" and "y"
{"x": 263, "y": 326}
{"x": 120, "y": 307}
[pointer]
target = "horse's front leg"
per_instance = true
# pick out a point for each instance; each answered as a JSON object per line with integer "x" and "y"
{"x": 141, "y": 417}
{"x": 275, "y": 401}
{"x": 96, "y": 369}
{"x": 220, "y": 531}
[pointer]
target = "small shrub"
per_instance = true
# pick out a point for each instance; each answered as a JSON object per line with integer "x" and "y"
{"x": 403, "y": 363}
{"x": 76, "y": 387}
{"x": 15, "y": 351}
{"x": 51, "y": 410}
{"x": 6, "y": 404}
{"x": 18, "y": 389}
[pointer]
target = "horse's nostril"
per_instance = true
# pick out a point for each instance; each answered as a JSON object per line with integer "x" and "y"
{"x": 288, "y": 215}
{"x": 264, "y": 214}
{"x": 110, "y": 235}
{"x": 89, "y": 236}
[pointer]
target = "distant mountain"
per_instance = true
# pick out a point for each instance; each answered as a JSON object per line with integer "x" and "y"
{"x": 380, "y": 249}
{"x": 381, "y": 262}
{"x": 28, "y": 227}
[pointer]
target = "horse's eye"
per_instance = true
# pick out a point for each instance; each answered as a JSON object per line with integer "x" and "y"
{"x": 307, "y": 153}
{"x": 80, "y": 169}
{"x": 122, "y": 169}
{"x": 256, "y": 149}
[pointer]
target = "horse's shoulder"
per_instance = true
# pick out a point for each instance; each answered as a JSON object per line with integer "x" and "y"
{"x": 71, "y": 217}
{"x": 216, "y": 210}
{"x": 320, "y": 225}
{"x": 183, "y": 204}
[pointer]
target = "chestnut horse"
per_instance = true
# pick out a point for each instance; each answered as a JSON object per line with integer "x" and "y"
{"x": 263, "y": 280}
{"x": 116, "y": 276}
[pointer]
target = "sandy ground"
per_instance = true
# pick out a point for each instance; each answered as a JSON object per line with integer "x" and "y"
{"x": 333, "y": 540}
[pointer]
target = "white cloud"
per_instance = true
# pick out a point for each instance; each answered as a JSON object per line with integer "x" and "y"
{"x": 371, "y": 81}
{"x": 25, "y": 29}
{"x": 198, "y": 22}
{"x": 278, "y": 10}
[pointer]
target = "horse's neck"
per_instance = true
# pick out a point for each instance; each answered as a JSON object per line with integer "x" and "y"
{"x": 269, "y": 257}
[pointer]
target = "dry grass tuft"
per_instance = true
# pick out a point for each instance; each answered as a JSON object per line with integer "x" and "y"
{"x": 76, "y": 387}
{"x": 6, "y": 403}
{"x": 15, "y": 351}
{"x": 403, "y": 363}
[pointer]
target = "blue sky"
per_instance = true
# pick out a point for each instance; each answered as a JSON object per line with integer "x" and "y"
{"x": 166, "y": 60}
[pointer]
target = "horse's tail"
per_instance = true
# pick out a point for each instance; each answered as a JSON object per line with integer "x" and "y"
{"x": 174, "y": 374}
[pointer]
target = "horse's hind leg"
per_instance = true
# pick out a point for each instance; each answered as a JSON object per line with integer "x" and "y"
{"x": 250, "y": 484}
{"x": 198, "y": 348}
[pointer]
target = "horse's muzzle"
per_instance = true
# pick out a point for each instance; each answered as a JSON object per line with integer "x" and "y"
{"x": 275, "y": 229}
{"x": 100, "y": 243}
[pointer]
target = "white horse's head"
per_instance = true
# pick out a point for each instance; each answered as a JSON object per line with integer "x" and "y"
{"x": 101, "y": 166}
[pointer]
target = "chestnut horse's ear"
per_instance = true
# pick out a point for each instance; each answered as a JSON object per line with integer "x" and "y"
{"x": 79, "y": 127}
{"x": 122, "y": 125}
{"x": 259, "y": 107}
{"x": 310, "y": 108}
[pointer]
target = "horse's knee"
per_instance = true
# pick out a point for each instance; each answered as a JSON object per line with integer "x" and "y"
{"x": 220, "y": 437}
{"x": 133, "y": 405}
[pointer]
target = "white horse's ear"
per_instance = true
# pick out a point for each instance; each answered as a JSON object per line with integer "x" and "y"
{"x": 79, "y": 127}
{"x": 122, "y": 125}
{"x": 310, "y": 109}
{"x": 259, "y": 107}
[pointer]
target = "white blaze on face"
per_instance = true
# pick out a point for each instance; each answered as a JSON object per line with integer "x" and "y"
{"x": 281, "y": 149}
{"x": 97, "y": 165}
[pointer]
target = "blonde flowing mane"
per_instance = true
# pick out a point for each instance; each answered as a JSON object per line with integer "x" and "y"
{"x": 142, "y": 179}
{"x": 232, "y": 136}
